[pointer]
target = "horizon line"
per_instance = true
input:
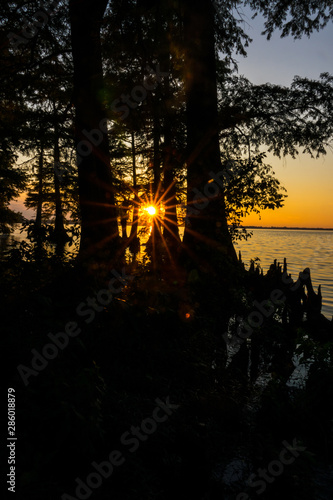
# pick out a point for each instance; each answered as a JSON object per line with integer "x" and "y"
{"x": 288, "y": 227}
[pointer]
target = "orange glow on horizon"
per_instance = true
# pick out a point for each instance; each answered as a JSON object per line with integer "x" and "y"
{"x": 316, "y": 214}
{"x": 309, "y": 204}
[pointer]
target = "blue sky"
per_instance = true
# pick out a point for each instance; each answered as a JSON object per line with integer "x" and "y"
{"x": 278, "y": 60}
{"x": 309, "y": 182}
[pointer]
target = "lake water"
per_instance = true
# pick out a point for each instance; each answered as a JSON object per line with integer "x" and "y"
{"x": 302, "y": 248}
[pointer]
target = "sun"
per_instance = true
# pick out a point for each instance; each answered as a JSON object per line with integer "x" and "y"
{"x": 151, "y": 210}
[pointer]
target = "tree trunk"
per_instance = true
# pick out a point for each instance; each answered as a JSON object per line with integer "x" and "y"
{"x": 170, "y": 231}
{"x": 123, "y": 221}
{"x": 134, "y": 228}
{"x": 59, "y": 234}
{"x": 170, "y": 222}
{"x": 38, "y": 221}
{"x": 207, "y": 227}
{"x": 99, "y": 228}
{"x": 156, "y": 191}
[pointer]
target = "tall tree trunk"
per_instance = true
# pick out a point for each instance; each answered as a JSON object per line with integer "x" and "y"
{"x": 99, "y": 228}
{"x": 59, "y": 229}
{"x": 38, "y": 220}
{"x": 207, "y": 225}
{"x": 156, "y": 153}
{"x": 134, "y": 228}
{"x": 170, "y": 231}
{"x": 123, "y": 220}
{"x": 156, "y": 194}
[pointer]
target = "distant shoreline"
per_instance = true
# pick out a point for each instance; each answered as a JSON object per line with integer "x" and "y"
{"x": 290, "y": 228}
{"x": 69, "y": 223}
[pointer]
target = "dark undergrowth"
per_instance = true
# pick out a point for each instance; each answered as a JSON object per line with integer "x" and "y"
{"x": 146, "y": 380}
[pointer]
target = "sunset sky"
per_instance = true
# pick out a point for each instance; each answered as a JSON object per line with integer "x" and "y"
{"x": 309, "y": 182}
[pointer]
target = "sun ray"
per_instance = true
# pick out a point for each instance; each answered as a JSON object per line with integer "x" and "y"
{"x": 165, "y": 202}
{"x": 164, "y": 243}
{"x": 166, "y": 192}
{"x": 171, "y": 233}
{"x": 169, "y": 220}
{"x": 157, "y": 194}
{"x": 167, "y": 248}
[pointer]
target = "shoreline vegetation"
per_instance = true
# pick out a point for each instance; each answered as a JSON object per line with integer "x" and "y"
{"x": 288, "y": 228}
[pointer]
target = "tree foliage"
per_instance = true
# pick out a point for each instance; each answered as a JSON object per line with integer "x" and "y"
{"x": 286, "y": 120}
{"x": 293, "y": 17}
{"x": 250, "y": 187}
{"x": 12, "y": 182}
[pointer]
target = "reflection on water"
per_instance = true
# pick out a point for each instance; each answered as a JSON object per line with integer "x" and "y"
{"x": 311, "y": 248}
{"x": 13, "y": 240}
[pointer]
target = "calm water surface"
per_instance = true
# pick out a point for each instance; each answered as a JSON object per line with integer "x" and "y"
{"x": 313, "y": 249}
